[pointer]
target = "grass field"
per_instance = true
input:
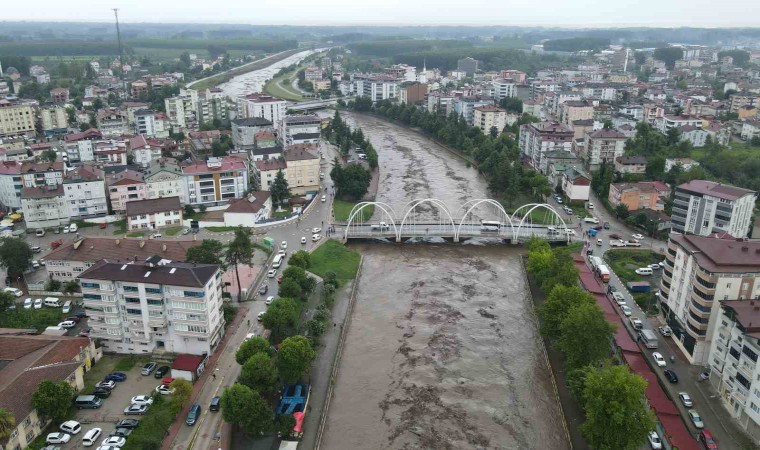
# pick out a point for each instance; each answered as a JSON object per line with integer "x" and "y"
{"x": 38, "y": 319}
{"x": 172, "y": 231}
{"x": 136, "y": 234}
{"x": 342, "y": 209}
{"x": 334, "y": 256}
{"x": 625, "y": 262}
{"x": 276, "y": 88}
{"x": 220, "y": 229}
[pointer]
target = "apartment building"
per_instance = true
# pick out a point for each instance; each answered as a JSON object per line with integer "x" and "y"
{"x": 504, "y": 88}
{"x": 181, "y": 110}
{"x": 302, "y": 170}
{"x": 376, "y": 87}
{"x": 642, "y": 195}
{"x": 54, "y": 120}
{"x": 17, "y": 117}
{"x": 154, "y": 213}
{"x": 465, "y": 107}
{"x": 85, "y": 192}
{"x": 631, "y": 164}
{"x": 150, "y": 123}
{"x": 215, "y": 181}
{"x": 704, "y": 207}
{"x": 412, "y": 92}
{"x": 301, "y": 129}
{"x": 573, "y": 110}
{"x": 10, "y": 185}
{"x": 488, "y": 117}
{"x": 244, "y": 131}
{"x": 603, "y": 146}
{"x": 112, "y": 122}
{"x": 733, "y": 360}
{"x": 79, "y": 146}
{"x": 700, "y": 272}
{"x": 261, "y": 105}
{"x": 164, "y": 179}
{"x": 742, "y": 99}
{"x": 155, "y": 305}
{"x": 44, "y": 206}
{"x": 666, "y": 122}
{"x": 537, "y": 139}
{"x": 468, "y": 65}
{"x": 42, "y": 174}
{"x": 125, "y": 187}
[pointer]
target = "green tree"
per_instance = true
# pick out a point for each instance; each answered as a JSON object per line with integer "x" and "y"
{"x": 351, "y": 182}
{"x": 7, "y": 424}
{"x": 259, "y": 374}
{"x": 294, "y": 358}
{"x": 562, "y": 271}
{"x": 244, "y": 407}
{"x": 668, "y": 55}
{"x": 585, "y": 335}
{"x": 6, "y": 300}
{"x": 52, "y": 400}
{"x": 617, "y": 418}
{"x": 71, "y": 286}
{"x": 210, "y": 251}
{"x": 673, "y": 136}
{"x": 49, "y": 155}
{"x": 250, "y": 347}
{"x": 279, "y": 189}
{"x": 15, "y": 255}
{"x": 182, "y": 392}
{"x": 239, "y": 251}
{"x": 300, "y": 259}
{"x": 576, "y": 382}
{"x": 281, "y": 315}
{"x": 621, "y": 211}
{"x": 290, "y": 288}
{"x": 558, "y": 303}
{"x": 284, "y": 424}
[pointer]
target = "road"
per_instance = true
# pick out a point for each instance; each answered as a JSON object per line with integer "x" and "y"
{"x": 716, "y": 418}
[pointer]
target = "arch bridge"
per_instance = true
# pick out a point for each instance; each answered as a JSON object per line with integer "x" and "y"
{"x": 477, "y": 218}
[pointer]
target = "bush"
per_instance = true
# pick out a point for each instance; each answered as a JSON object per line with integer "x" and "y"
{"x": 53, "y": 286}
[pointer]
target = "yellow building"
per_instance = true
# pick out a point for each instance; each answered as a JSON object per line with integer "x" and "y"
{"x": 488, "y": 116}
{"x": 16, "y": 117}
{"x": 302, "y": 170}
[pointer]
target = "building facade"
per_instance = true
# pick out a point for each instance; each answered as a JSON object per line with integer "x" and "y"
{"x": 85, "y": 193}
{"x": 603, "y": 146}
{"x": 16, "y": 117}
{"x": 536, "y": 139}
{"x": 488, "y": 117}
{"x": 152, "y": 214}
{"x": 705, "y": 207}
{"x": 642, "y": 195}
{"x": 215, "y": 181}
{"x": 44, "y": 207}
{"x": 261, "y": 105}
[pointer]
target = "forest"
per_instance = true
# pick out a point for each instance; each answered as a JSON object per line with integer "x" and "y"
{"x": 576, "y": 44}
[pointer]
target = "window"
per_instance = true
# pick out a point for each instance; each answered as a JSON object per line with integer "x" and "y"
{"x": 195, "y": 294}
{"x": 92, "y": 297}
{"x": 152, "y": 290}
{"x": 130, "y": 288}
{"x": 30, "y": 436}
{"x": 134, "y": 311}
{"x": 131, "y": 299}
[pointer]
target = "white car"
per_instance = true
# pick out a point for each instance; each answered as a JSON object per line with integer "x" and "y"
{"x": 38, "y": 303}
{"x": 164, "y": 390}
{"x": 71, "y": 427}
{"x": 324, "y": 198}
{"x": 282, "y": 252}
{"x": 110, "y": 384}
{"x": 272, "y": 273}
{"x": 269, "y": 300}
{"x": 654, "y": 441}
{"x": 35, "y": 264}
{"x": 685, "y": 399}
{"x": 644, "y": 271}
{"x": 115, "y": 441}
{"x": 28, "y": 303}
{"x": 659, "y": 359}
{"x": 142, "y": 400}
{"x": 590, "y": 205}
{"x": 58, "y": 438}
{"x": 261, "y": 314}
{"x": 316, "y": 230}
{"x": 696, "y": 419}
{"x": 73, "y": 228}
{"x": 14, "y": 291}
{"x": 637, "y": 236}
{"x": 284, "y": 244}
{"x": 156, "y": 235}
{"x": 303, "y": 240}
{"x": 67, "y": 324}
{"x": 91, "y": 436}
{"x": 316, "y": 237}
{"x": 626, "y": 310}
{"x": 619, "y": 298}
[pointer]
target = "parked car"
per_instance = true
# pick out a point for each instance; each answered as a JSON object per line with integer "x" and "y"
{"x": 284, "y": 244}
{"x": 696, "y": 419}
{"x": 316, "y": 230}
{"x": 28, "y": 303}
{"x": 636, "y": 323}
{"x": 654, "y": 440}
{"x": 67, "y": 324}
{"x": 671, "y": 376}
{"x": 303, "y": 240}
{"x": 269, "y": 300}
{"x": 316, "y": 237}
{"x": 15, "y": 292}
{"x": 665, "y": 331}
{"x": 638, "y": 236}
{"x": 121, "y": 432}
{"x": 71, "y": 427}
{"x": 142, "y": 400}
{"x": 655, "y": 266}
{"x": 706, "y": 438}
{"x": 606, "y": 225}
{"x": 685, "y": 399}
{"x": 619, "y": 298}
{"x": 102, "y": 226}
{"x": 164, "y": 390}
{"x": 114, "y": 441}
{"x": 271, "y": 274}
{"x": 73, "y": 228}
{"x": 627, "y": 311}
{"x": 92, "y": 435}
{"x": 106, "y": 384}
{"x": 38, "y": 303}
{"x": 161, "y": 371}
{"x": 58, "y": 438}
{"x": 658, "y": 359}
{"x": 117, "y": 376}
{"x": 128, "y": 423}
{"x": 186, "y": 231}
{"x": 263, "y": 289}
{"x": 36, "y": 249}
{"x": 644, "y": 271}
{"x": 260, "y": 316}
{"x": 148, "y": 369}
{"x": 615, "y": 236}
{"x": 134, "y": 410}
{"x": 101, "y": 393}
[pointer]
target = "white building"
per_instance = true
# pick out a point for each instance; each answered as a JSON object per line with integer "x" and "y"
{"x": 504, "y": 88}
{"x": 376, "y": 87}
{"x": 139, "y": 307}
{"x": 44, "y": 206}
{"x": 261, "y": 105}
{"x": 42, "y": 174}
{"x": 54, "y": 118}
{"x": 603, "y": 146}
{"x": 665, "y": 123}
{"x": 143, "y": 152}
{"x": 181, "y": 110}
{"x": 536, "y": 139}
{"x": 301, "y": 129}
{"x": 85, "y": 193}
{"x": 705, "y": 207}
{"x": 164, "y": 179}
{"x": 10, "y": 185}
{"x": 244, "y": 132}
{"x": 153, "y": 214}
{"x": 488, "y": 117}
{"x": 265, "y": 171}
{"x": 699, "y": 272}
{"x": 696, "y": 136}
{"x": 215, "y": 181}
{"x": 245, "y": 212}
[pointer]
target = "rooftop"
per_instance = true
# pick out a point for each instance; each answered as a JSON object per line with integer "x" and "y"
{"x": 299, "y": 154}
{"x": 271, "y": 164}
{"x": 607, "y": 133}
{"x": 153, "y": 206}
{"x": 305, "y": 118}
{"x": 218, "y": 165}
{"x": 94, "y": 249}
{"x": 252, "y": 122}
{"x": 251, "y": 204}
{"x": 713, "y": 189}
{"x": 489, "y": 108}
{"x": 45, "y": 191}
{"x": 643, "y": 186}
{"x": 721, "y": 255}
{"x": 83, "y": 173}
{"x": 746, "y": 313}
{"x": 626, "y": 160}
{"x": 166, "y": 272}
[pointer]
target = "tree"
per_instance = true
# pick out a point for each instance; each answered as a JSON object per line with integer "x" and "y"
{"x": 621, "y": 211}
{"x": 239, "y": 251}
{"x": 279, "y": 188}
{"x": 52, "y": 400}
{"x": 283, "y": 425}
{"x": 655, "y": 167}
{"x": 585, "y": 335}
{"x": 561, "y": 271}
{"x": 300, "y": 259}
{"x": 281, "y": 315}
{"x": 672, "y": 136}
{"x": 351, "y": 182}
{"x": 71, "y": 286}
{"x": 290, "y": 288}
{"x": 554, "y": 309}
{"x": 259, "y": 374}
{"x": 294, "y": 358}
{"x": 6, "y": 300}
{"x": 616, "y": 415}
{"x": 244, "y": 407}
{"x": 15, "y": 255}
{"x": 49, "y": 155}
{"x": 668, "y": 55}
{"x": 210, "y": 251}
{"x": 250, "y": 347}
{"x": 576, "y": 382}
{"x": 182, "y": 392}
{"x": 7, "y": 424}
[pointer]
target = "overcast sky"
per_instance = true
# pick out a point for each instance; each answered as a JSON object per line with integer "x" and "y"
{"x": 576, "y": 13}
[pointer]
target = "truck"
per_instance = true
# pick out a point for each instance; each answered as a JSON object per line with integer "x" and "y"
{"x": 380, "y": 226}
{"x": 639, "y": 286}
{"x": 604, "y": 273}
{"x": 648, "y": 338}
{"x": 595, "y": 261}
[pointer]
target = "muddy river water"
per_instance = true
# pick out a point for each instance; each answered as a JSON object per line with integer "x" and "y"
{"x": 442, "y": 350}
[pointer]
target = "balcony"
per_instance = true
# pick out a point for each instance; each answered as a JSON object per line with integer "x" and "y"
{"x": 157, "y": 322}
{"x": 700, "y": 294}
{"x": 708, "y": 293}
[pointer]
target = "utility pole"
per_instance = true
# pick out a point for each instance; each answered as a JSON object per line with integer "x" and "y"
{"x": 118, "y": 39}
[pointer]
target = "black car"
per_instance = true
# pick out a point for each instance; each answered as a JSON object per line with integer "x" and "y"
{"x": 263, "y": 289}
{"x": 214, "y": 406}
{"x": 606, "y": 225}
{"x": 80, "y": 314}
{"x": 590, "y": 251}
{"x": 127, "y": 423}
{"x": 101, "y": 393}
{"x": 121, "y": 432}
{"x": 671, "y": 376}
{"x": 161, "y": 371}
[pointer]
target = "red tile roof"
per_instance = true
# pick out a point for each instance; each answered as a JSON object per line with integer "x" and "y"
{"x": 228, "y": 163}
{"x": 714, "y": 189}
{"x": 189, "y": 363}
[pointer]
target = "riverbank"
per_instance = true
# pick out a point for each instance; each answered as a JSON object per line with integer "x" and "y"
{"x": 214, "y": 80}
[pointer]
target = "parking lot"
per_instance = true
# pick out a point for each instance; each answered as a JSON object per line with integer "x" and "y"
{"x": 112, "y": 410}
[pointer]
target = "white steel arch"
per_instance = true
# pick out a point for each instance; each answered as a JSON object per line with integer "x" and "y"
{"x": 477, "y": 203}
{"x": 533, "y": 206}
{"x": 360, "y": 207}
{"x": 432, "y": 201}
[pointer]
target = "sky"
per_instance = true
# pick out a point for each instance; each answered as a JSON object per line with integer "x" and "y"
{"x": 574, "y": 13}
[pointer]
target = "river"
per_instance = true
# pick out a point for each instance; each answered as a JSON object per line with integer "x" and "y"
{"x": 442, "y": 350}
{"x": 254, "y": 81}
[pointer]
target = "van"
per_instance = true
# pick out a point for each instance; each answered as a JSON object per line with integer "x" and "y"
{"x": 88, "y": 401}
{"x": 193, "y": 414}
{"x": 593, "y": 220}
{"x": 648, "y": 338}
{"x": 214, "y": 406}
{"x": 73, "y": 228}
{"x": 66, "y": 307}
{"x": 644, "y": 271}
{"x": 52, "y": 302}
{"x": 604, "y": 273}
{"x": 91, "y": 437}
{"x": 277, "y": 262}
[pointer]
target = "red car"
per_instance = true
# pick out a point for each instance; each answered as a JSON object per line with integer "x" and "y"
{"x": 279, "y": 279}
{"x": 167, "y": 381}
{"x": 102, "y": 226}
{"x": 706, "y": 438}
